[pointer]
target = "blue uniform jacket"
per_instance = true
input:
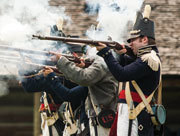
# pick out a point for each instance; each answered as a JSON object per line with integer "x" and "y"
{"x": 38, "y": 84}
{"x": 74, "y": 95}
{"x": 128, "y": 69}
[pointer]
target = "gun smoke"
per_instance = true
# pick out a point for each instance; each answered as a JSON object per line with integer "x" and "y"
{"x": 114, "y": 18}
{"x": 20, "y": 19}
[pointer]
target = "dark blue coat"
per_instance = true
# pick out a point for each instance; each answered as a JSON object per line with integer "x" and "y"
{"x": 132, "y": 69}
{"x": 74, "y": 95}
{"x": 38, "y": 84}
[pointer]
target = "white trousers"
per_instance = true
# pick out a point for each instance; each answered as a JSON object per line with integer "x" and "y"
{"x": 44, "y": 127}
{"x": 123, "y": 122}
{"x": 101, "y": 130}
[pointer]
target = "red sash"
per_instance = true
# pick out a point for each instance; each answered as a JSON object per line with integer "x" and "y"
{"x": 135, "y": 96}
{"x": 51, "y": 106}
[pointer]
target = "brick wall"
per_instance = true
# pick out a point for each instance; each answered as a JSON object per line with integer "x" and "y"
{"x": 166, "y": 14}
{"x": 81, "y": 21}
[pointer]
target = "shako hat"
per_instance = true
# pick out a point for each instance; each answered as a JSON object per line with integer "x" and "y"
{"x": 75, "y": 48}
{"x": 56, "y": 30}
{"x": 143, "y": 25}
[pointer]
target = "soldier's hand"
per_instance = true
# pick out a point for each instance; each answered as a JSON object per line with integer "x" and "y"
{"x": 122, "y": 51}
{"x": 56, "y": 56}
{"x": 82, "y": 64}
{"x": 47, "y": 71}
{"x": 20, "y": 83}
{"x": 101, "y": 46}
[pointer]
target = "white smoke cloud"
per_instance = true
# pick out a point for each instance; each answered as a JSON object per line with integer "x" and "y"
{"x": 13, "y": 31}
{"x": 113, "y": 18}
{"x": 19, "y": 20}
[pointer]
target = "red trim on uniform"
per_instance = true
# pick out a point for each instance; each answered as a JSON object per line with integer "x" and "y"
{"x": 135, "y": 96}
{"x": 51, "y": 106}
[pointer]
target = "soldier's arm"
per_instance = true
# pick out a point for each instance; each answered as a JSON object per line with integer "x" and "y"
{"x": 133, "y": 71}
{"x": 65, "y": 93}
{"x": 34, "y": 84}
{"x": 82, "y": 76}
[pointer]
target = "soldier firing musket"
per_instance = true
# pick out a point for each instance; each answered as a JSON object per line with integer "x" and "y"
{"x": 135, "y": 115}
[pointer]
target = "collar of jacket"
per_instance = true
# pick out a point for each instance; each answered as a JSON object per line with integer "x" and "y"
{"x": 144, "y": 50}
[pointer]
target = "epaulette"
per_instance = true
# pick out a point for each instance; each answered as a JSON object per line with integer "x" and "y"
{"x": 152, "y": 60}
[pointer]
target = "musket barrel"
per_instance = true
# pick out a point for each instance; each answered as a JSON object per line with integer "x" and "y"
{"x": 7, "y": 53}
{"x": 2, "y": 47}
{"x": 76, "y": 40}
{"x": 67, "y": 39}
{"x": 17, "y": 61}
{"x": 28, "y": 51}
{"x": 39, "y": 66}
{"x": 9, "y": 48}
{"x": 4, "y": 60}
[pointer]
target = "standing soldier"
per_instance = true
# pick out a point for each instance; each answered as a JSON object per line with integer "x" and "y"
{"x": 142, "y": 76}
{"x": 75, "y": 118}
{"x": 102, "y": 88}
{"x": 34, "y": 81}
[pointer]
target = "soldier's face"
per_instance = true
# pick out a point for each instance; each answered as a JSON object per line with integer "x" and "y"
{"x": 137, "y": 43}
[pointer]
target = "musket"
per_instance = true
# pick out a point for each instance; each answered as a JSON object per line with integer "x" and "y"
{"x": 7, "y": 53}
{"x": 38, "y": 66}
{"x": 111, "y": 44}
{"x": 13, "y": 56}
{"x": 28, "y": 51}
{"x": 44, "y": 53}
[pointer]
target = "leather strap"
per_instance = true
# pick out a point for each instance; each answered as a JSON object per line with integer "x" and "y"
{"x": 53, "y": 103}
{"x": 120, "y": 86}
{"x": 71, "y": 112}
{"x": 50, "y": 117}
{"x": 46, "y": 105}
{"x": 134, "y": 112}
{"x": 141, "y": 106}
{"x": 93, "y": 119}
{"x": 159, "y": 95}
{"x": 129, "y": 101}
{"x": 144, "y": 100}
{"x": 92, "y": 103}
